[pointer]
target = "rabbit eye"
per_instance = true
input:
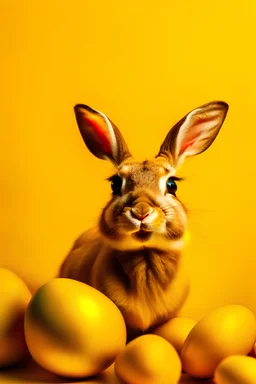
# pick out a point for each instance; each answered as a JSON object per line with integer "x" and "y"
{"x": 116, "y": 185}
{"x": 171, "y": 186}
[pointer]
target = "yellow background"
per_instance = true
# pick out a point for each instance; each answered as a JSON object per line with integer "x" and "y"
{"x": 145, "y": 64}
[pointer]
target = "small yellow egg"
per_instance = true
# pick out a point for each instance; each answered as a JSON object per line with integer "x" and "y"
{"x": 236, "y": 370}
{"x": 228, "y": 330}
{"x": 175, "y": 331}
{"x": 72, "y": 329}
{"x": 148, "y": 359}
{"x": 14, "y": 298}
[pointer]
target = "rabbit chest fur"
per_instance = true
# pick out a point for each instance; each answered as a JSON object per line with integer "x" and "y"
{"x": 147, "y": 287}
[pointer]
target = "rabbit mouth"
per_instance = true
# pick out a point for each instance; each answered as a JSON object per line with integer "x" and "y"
{"x": 142, "y": 235}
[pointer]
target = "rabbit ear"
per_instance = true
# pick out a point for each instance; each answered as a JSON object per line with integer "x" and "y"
{"x": 195, "y": 132}
{"x": 100, "y": 135}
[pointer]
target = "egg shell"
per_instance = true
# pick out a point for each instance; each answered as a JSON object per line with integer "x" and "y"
{"x": 236, "y": 370}
{"x": 228, "y": 330}
{"x": 14, "y": 298}
{"x": 148, "y": 359}
{"x": 72, "y": 329}
{"x": 175, "y": 331}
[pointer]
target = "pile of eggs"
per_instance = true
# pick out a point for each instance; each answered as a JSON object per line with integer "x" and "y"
{"x": 74, "y": 331}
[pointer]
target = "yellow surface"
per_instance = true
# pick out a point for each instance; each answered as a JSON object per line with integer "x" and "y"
{"x": 145, "y": 64}
{"x": 33, "y": 374}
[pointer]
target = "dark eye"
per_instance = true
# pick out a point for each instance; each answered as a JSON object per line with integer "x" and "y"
{"x": 171, "y": 186}
{"x": 116, "y": 185}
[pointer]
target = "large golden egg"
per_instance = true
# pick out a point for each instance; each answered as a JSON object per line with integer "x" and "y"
{"x": 228, "y": 330}
{"x": 14, "y": 298}
{"x": 72, "y": 329}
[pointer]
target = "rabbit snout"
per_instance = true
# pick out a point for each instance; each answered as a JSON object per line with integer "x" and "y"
{"x": 141, "y": 214}
{"x": 141, "y": 211}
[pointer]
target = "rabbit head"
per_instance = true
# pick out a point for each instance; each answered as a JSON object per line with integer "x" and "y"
{"x": 144, "y": 211}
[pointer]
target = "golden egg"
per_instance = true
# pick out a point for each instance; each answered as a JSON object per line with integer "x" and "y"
{"x": 72, "y": 329}
{"x": 236, "y": 370}
{"x": 175, "y": 331}
{"x": 228, "y": 330}
{"x": 14, "y": 298}
{"x": 149, "y": 359}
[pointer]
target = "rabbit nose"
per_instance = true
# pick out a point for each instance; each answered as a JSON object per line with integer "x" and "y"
{"x": 141, "y": 211}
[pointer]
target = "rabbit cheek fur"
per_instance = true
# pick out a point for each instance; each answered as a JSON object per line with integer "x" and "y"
{"x": 133, "y": 256}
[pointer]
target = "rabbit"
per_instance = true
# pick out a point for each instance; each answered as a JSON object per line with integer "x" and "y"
{"x": 134, "y": 254}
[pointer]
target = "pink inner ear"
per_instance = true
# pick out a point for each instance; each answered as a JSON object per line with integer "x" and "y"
{"x": 186, "y": 145}
{"x": 100, "y": 135}
{"x": 192, "y": 134}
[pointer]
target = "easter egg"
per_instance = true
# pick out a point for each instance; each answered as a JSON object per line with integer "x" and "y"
{"x": 236, "y": 370}
{"x": 72, "y": 329}
{"x": 175, "y": 331}
{"x": 148, "y": 359}
{"x": 226, "y": 331}
{"x": 14, "y": 298}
